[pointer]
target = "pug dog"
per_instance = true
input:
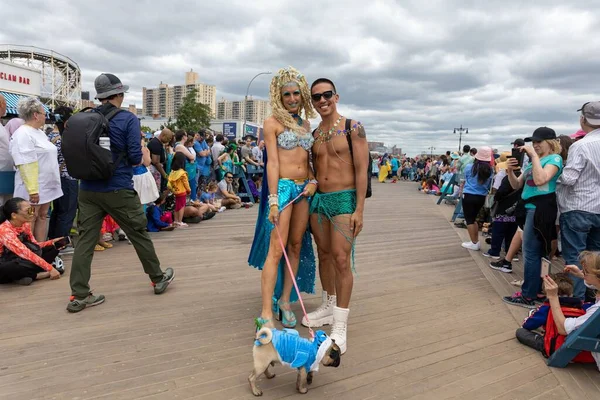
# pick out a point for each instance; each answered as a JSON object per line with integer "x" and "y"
{"x": 287, "y": 347}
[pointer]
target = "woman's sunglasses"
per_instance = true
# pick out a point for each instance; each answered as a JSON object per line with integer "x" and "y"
{"x": 30, "y": 211}
{"x": 288, "y": 94}
{"x": 317, "y": 96}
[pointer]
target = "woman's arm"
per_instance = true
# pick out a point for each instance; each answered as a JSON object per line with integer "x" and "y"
{"x": 146, "y": 159}
{"x": 222, "y": 158}
{"x": 11, "y": 242}
{"x": 541, "y": 176}
{"x": 182, "y": 149}
{"x": 270, "y": 132}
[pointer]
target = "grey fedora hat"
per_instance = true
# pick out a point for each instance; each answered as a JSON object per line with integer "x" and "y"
{"x": 107, "y": 85}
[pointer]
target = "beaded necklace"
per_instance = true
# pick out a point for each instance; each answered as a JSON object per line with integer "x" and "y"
{"x": 298, "y": 119}
{"x": 326, "y": 136}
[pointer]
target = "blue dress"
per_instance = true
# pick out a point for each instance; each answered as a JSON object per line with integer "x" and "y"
{"x": 307, "y": 267}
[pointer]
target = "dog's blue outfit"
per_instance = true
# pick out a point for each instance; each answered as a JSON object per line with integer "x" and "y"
{"x": 296, "y": 351}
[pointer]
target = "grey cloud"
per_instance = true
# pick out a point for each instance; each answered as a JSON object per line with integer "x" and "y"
{"x": 411, "y": 71}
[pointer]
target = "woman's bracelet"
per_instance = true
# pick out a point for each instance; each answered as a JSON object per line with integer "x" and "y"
{"x": 273, "y": 200}
{"x": 314, "y": 182}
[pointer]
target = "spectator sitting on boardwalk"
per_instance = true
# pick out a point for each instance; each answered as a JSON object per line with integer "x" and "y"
{"x": 228, "y": 198}
{"x": 22, "y": 258}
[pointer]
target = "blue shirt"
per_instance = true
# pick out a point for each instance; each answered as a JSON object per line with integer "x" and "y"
{"x": 206, "y": 197}
{"x": 472, "y": 185}
{"x": 395, "y": 164}
{"x": 529, "y": 187}
{"x": 125, "y": 136}
{"x": 203, "y": 162}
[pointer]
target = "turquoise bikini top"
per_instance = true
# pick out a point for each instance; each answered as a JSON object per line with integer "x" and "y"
{"x": 289, "y": 140}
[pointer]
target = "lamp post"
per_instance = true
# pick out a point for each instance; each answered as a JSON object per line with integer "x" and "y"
{"x": 431, "y": 149}
{"x": 460, "y": 133}
{"x": 246, "y": 97}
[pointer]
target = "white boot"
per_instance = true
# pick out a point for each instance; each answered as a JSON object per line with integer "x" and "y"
{"x": 322, "y": 315}
{"x": 340, "y": 326}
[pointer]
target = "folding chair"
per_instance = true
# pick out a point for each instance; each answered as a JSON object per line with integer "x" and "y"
{"x": 587, "y": 337}
{"x": 239, "y": 174}
{"x": 449, "y": 188}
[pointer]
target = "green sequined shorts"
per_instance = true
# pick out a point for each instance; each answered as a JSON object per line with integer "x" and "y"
{"x": 334, "y": 203}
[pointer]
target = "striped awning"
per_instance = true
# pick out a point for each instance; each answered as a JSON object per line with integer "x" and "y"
{"x": 12, "y": 100}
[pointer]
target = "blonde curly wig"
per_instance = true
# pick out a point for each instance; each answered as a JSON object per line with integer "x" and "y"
{"x": 284, "y": 77}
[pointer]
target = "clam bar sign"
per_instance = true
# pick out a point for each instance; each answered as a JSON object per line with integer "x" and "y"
{"x": 19, "y": 79}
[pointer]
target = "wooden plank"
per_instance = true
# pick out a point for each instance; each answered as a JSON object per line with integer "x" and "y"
{"x": 425, "y": 321}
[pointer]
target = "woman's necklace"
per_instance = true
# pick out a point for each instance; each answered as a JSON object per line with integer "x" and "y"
{"x": 298, "y": 119}
{"x": 326, "y": 136}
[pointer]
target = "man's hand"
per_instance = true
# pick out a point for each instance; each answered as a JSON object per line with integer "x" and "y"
{"x": 34, "y": 198}
{"x": 54, "y": 274}
{"x": 356, "y": 223}
{"x": 550, "y": 287}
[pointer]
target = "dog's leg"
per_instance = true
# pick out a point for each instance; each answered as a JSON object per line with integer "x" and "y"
{"x": 309, "y": 378}
{"x": 301, "y": 381}
{"x": 259, "y": 368}
{"x": 269, "y": 374}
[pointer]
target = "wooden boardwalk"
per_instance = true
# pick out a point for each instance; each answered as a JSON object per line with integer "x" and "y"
{"x": 426, "y": 322}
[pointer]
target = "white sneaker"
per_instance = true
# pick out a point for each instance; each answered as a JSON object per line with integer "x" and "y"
{"x": 471, "y": 246}
{"x": 340, "y": 327}
{"x": 322, "y": 315}
{"x": 222, "y": 209}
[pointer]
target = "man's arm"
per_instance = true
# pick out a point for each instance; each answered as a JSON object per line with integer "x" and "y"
{"x": 360, "y": 151}
{"x": 576, "y": 162}
{"x": 134, "y": 142}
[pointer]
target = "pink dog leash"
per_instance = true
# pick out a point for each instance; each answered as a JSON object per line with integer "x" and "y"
{"x": 287, "y": 261}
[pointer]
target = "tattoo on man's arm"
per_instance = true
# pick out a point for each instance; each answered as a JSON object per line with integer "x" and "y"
{"x": 361, "y": 132}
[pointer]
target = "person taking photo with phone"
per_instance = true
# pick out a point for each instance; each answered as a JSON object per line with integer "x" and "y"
{"x": 538, "y": 181}
{"x": 22, "y": 258}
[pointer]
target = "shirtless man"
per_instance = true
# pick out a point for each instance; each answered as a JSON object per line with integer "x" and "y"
{"x": 337, "y": 207}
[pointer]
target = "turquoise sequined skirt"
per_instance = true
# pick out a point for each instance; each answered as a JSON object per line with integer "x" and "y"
{"x": 287, "y": 191}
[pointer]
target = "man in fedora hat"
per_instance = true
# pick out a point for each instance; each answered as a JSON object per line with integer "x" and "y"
{"x": 115, "y": 197}
{"x": 577, "y": 194}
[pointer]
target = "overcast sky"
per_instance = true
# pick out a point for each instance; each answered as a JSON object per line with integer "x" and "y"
{"x": 411, "y": 71}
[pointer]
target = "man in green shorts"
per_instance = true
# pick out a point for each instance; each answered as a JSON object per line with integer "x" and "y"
{"x": 337, "y": 206}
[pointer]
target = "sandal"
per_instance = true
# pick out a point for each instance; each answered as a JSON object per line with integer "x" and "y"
{"x": 287, "y": 317}
{"x": 106, "y": 245}
{"x": 99, "y": 248}
{"x": 517, "y": 282}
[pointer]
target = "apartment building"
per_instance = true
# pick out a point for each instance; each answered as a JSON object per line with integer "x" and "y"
{"x": 164, "y": 101}
{"x": 256, "y": 110}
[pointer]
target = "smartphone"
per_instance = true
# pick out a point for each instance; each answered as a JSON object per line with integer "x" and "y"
{"x": 62, "y": 243}
{"x": 545, "y": 267}
{"x": 518, "y": 154}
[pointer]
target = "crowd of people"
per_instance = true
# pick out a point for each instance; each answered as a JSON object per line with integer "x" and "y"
{"x": 312, "y": 185}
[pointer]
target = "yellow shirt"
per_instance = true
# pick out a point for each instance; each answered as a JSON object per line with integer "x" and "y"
{"x": 179, "y": 182}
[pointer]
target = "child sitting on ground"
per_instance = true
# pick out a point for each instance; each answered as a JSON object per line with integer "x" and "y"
{"x": 157, "y": 221}
{"x": 547, "y": 341}
{"x": 430, "y": 187}
{"x": 254, "y": 185}
{"x": 208, "y": 197}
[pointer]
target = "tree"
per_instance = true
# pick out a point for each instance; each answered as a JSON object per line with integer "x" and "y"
{"x": 170, "y": 125}
{"x": 193, "y": 116}
{"x": 145, "y": 128}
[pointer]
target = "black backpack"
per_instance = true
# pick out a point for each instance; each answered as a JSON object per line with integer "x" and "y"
{"x": 369, "y": 166}
{"x": 86, "y": 144}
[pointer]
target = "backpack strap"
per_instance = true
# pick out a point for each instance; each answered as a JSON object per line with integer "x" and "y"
{"x": 349, "y": 136}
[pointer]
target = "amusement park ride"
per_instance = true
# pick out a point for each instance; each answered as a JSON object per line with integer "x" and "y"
{"x": 60, "y": 76}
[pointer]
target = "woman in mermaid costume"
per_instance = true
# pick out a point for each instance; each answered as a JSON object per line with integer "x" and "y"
{"x": 287, "y": 175}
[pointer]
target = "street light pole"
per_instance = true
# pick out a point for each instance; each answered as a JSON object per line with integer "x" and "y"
{"x": 431, "y": 149}
{"x": 460, "y": 133}
{"x": 246, "y": 98}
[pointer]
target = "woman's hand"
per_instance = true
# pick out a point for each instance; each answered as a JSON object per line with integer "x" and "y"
{"x": 529, "y": 150}
{"x": 550, "y": 287}
{"x": 54, "y": 274}
{"x": 574, "y": 270}
{"x": 309, "y": 190}
{"x": 274, "y": 214}
{"x": 512, "y": 164}
{"x": 34, "y": 198}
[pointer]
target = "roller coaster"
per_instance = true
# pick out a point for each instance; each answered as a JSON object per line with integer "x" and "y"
{"x": 61, "y": 76}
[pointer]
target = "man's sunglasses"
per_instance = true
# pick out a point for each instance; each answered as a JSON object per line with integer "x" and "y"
{"x": 229, "y": 177}
{"x": 317, "y": 96}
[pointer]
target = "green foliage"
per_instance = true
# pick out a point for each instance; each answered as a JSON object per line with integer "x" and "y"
{"x": 192, "y": 116}
{"x": 146, "y": 128}
{"x": 169, "y": 125}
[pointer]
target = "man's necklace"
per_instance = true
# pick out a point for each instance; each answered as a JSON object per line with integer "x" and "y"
{"x": 326, "y": 136}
